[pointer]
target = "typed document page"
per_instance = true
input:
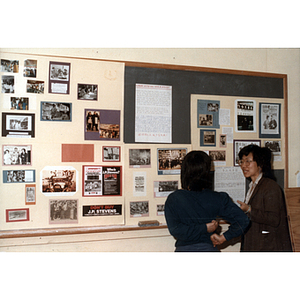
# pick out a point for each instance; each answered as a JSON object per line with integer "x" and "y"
{"x": 153, "y": 113}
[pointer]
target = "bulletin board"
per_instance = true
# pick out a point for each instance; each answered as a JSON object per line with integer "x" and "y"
{"x": 136, "y": 177}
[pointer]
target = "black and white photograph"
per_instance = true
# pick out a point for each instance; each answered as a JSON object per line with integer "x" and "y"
{"x": 16, "y": 155}
{"x": 205, "y": 120}
{"x": 111, "y": 153}
{"x": 18, "y": 125}
{"x": 63, "y": 211}
{"x": 207, "y": 138}
{"x": 19, "y": 103}
{"x": 8, "y": 84}
{"x": 139, "y": 158}
{"x": 30, "y": 68}
{"x": 160, "y": 209}
{"x": 18, "y": 176}
{"x": 139, "y": 209}
{"x": 11, "y": 66}
{"x": 223, "y": 140}
{"x": 274, "y": 146}
{"x": 59, "y": 78}
{"x": 238, "y": 145}
{"x": 35, "y": 86}
{"x": 170, "y": 160}
{"x": 17, "y": 215}
{"x": 269, "y": 120}
{"x": 245, "y": 113}
{"x": 56, "y": 111}
{"x": 165, "y": 188}
{"x": 87, "y": 92}
{"x": 217, "y": 155}
{"x": 59, "y": 181}
{"x": 30, "y": 194}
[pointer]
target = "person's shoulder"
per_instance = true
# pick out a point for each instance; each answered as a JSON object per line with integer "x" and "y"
{"x": 270, "y": 184}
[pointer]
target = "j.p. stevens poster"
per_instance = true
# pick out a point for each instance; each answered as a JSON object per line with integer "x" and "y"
{"x": 102, "y": 210}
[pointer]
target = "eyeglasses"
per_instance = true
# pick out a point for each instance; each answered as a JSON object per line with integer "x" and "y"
{"x": 246, "y": 162}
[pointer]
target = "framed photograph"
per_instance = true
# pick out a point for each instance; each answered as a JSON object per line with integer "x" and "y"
{"x": 8, "y": 84}
{"x": 16, "y": 155}
{"x": 87, "y": 92}
{"x": 11, "y": 66}
{"x": 111, "y": 153}
{"x": 269, "y": 120}
{"x": 238, "y": 145}
{"x": 18, "y": 176}
{"x": 207, "y": 138}
{"x": 30, "y": 67}
{"x": 101, "y": 181}
{"x": 170, "y": 160}
{"x": 35, "y": 86}
{"x": 245, "y": 115}
{"x": 139, "y": 158}
{"x": 18, "y": 125}
{"x": 17, "y": 215}
{"x": 139, "y": 209}
{"x": 19, "y": 103}
{"x": 56, "y": 111}
{"x": 30, "y": 194}
{"x": 60, "y": 181}
{"x": 164, "y": 188}
{"x": 59, "y": 78}
{"x": 63, "y": 211}
{"x": 223, "y": 141}
{"x": 208, "y": 113}
{"x": 102, "y": 124}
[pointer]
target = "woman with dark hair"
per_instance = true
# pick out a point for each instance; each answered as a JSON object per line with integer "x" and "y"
{"x": 191, "y": 212}
{"x": 264, "y": 203}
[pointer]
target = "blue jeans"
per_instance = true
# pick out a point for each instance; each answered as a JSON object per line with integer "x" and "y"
{"x": 200, "y": 247}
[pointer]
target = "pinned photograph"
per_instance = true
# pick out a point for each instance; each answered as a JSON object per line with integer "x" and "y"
{"x": 16, "y": 155}
{"x": 11, "y": 66}
{"x": 59, "y": 78}
{"x": 87, "y": 92}
{"x": 170, "y": 160}
{"x": 35, "y": 86}
{"x": 8, "y": 84}
{"x": 30, "y": 67}
{"x": 59, "y": 181}
{"x": 139, "y": 158}
{"x": 56, "y": 111}
{"x": 63, "y": 211}
{"x": 269, "y": 120}
{"x": 139, "y": 209}
{"x": 19, "y": 103}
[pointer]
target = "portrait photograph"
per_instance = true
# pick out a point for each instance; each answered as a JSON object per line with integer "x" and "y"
{"x": 269, "y": 120}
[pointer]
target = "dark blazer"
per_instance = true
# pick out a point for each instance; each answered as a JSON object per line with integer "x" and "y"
{"x": 268, "y": 229}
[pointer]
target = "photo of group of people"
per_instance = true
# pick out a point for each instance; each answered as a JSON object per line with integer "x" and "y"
{"x": 63, "y": 211}
{"x": 16, "y": 155}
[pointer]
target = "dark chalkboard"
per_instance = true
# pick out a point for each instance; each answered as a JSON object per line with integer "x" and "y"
{"x": 186, "y": 82}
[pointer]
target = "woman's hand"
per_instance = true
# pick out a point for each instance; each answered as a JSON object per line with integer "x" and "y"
{"x": 217, "y": 239}
{"x": 244, "y": 207}
{"x": 212, "y": 226}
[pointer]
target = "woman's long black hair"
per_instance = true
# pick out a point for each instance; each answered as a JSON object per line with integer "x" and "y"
{"x": 195, "y": 171}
